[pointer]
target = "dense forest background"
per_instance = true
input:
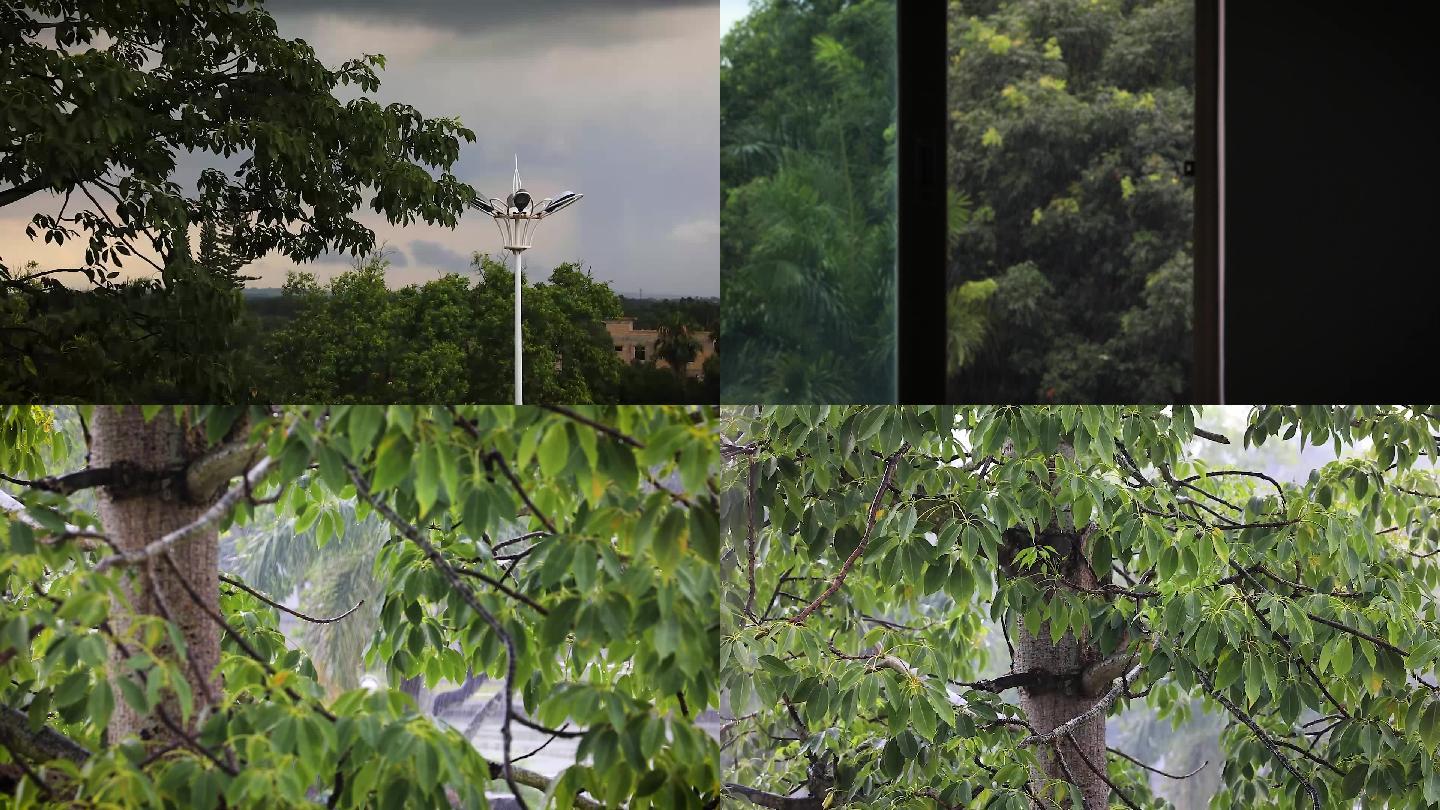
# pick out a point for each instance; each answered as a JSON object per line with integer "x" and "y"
{"x": 1071, "y": 213}
{"x": 807, "y": 127}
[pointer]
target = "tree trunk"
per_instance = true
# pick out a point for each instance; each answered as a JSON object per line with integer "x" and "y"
{"x": 1061, "y": 698}
{"x": 137, "y": 511}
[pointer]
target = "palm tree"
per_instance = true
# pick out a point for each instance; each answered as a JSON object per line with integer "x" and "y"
{"x": 675, "y": 345}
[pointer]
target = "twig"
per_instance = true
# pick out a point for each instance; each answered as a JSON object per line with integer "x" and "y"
{"x": 500, "y": 586}
{"x": 1117, "y": 752}
{"x": 1218, "y": 438}
{"x": 1379, "y": 642}
{"x": 839, "y": 580}
{"x": 362, "y": 488}
{"x": 272, "y": 603}
{"x": 750, "y": 538}
{"x": 542, "y": 746}
{"x": 599, "y": 426}
{"x": 1106, "y": 779}
{"x": 494, "y": 457}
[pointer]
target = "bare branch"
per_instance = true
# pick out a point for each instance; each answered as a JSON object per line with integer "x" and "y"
{"x": 272, "y": 603}
{"x": 839, "y": 580}
{"x": 761, "y": 798}
{"x": 1117, "y": 752}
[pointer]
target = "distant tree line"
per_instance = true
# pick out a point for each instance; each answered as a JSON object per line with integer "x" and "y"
{"x": 350, "y": 339}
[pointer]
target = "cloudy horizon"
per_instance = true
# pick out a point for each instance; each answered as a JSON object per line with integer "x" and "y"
{"x": 616, "y": 99}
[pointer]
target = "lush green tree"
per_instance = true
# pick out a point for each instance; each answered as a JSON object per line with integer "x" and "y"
{"x": 133, "y": 679}
{"x": 1070, "y": 124}
{"x": 866, "y": 549}
{"x": 675, "y": 345}
{"x": 807, "y": 177}
{"x": 643, "y": 381}
{"x": 446, "y": 340}
{"x": 97, "y": 100}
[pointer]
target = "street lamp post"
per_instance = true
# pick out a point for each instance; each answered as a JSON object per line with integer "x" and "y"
{"x": 517, "y": 217}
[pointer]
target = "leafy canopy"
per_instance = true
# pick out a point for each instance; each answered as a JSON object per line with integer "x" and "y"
{"x": 604, "y": 615}
{"x": 1070, "y": 124}
{"x": 1305, "y": 613}
{"x": 98, "y": 100}
{"x": 807, "y": 246}
{"x": 447, "y": 340}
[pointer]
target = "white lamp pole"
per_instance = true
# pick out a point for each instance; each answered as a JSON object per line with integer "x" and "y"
{"x": 517, "y": 220}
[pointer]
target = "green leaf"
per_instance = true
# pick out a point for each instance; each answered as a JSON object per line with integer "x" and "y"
{"x": 72, "y": 689}
{"x": 1229, "y": 670}
{"x": 554, "y": 450}
{"x": 775, "y": 666}
{"x": 1340, "y": 659}
{"x": 393, "y": 460}
{"x": 364, "y": 421}
{"x": 134, "y": 696}
{"x": 100, "y": 705}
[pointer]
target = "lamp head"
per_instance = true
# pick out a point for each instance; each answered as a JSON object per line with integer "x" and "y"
{"x": 563, "y": 201}
{"x": 520, "y": 200}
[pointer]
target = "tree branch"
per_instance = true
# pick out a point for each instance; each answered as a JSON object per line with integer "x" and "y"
{"x": 761, "y": 798}
{"x": 1101, "y": 705}
{"x": 39, "y": 746}
{"x": 206, "y": 475}
{"x": 23, "y": 190}
{"x": 1117, "y": 752}
{"x": 1264, "y": 738}
{"x": 1100, "y": 674}
{"x": 594, "y": 425}
{"x": 411, "y": 533}
{"x": 272, "y": 603}
{"x": 216, "y": 512}
{"x": 500, "y": 586}
{"x": 839, "y": 580}
{"x": 1103, "y": 777}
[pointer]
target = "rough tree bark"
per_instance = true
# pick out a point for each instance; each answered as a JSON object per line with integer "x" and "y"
{"x": 162, "y": 493}
{"x": 1057, "y": 700}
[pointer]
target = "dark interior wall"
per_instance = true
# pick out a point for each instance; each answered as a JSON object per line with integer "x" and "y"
{"x": 1331, "y": 282}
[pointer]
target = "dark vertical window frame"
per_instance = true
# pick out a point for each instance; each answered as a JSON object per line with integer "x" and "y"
{"x": 920, "y": 312}
{"x": 1209, "y": 254}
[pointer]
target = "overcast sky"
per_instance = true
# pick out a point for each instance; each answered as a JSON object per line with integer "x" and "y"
{"x": 731, "y": 11}
{"x": 617, "y": 99}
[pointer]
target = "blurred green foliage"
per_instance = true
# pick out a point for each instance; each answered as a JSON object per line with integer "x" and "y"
{"x": 807, "y": 118}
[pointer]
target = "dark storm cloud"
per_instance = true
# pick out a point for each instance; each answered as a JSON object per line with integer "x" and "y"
{"x": 469, "y": 15}
{"x": 437, "y": 256}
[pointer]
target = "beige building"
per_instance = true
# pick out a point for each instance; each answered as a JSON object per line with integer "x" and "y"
{"x": 633, "y": 344}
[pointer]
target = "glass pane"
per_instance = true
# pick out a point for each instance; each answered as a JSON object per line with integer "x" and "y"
{"x": 1071, "y": 210}
{"x": 807, "y": 247}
